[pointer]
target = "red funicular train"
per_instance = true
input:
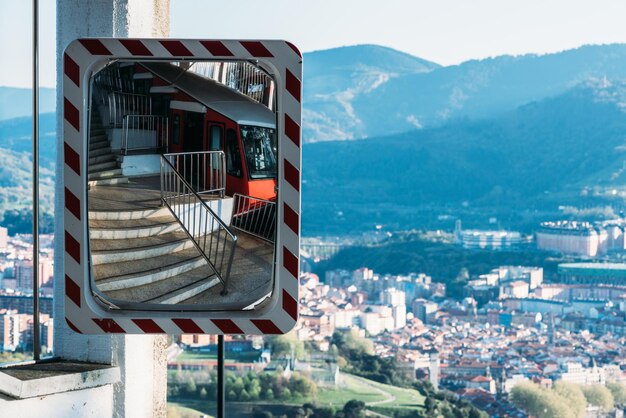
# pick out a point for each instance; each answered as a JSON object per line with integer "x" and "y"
{"x": 207, "y": 116}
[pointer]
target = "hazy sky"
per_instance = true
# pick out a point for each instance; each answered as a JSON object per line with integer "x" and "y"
{"x": 444, "y": 31}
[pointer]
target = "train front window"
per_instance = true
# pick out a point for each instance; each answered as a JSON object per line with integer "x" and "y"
{"x": 260, "y": 150}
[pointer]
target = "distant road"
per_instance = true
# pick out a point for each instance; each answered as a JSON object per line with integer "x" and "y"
{"x": 388, "y": 396}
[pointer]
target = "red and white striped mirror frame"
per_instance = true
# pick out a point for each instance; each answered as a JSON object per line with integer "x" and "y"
{"x": 83, "y": 313}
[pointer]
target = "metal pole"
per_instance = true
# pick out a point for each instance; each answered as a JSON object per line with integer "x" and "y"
{"x": 221, "y": 399}
{"x": 36, "y": 344}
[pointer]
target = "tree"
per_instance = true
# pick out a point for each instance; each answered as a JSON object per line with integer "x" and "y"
{"x": 237, "y": 386}
{"x": 173, "y": 391}
{"x": 19, "y": 221}
{"x": 425, "y": 387}
{"x": 354, "y": 409}
{"x": 600, "y": 396}
{"x": 286, "y": 394}
{"x": 255, "y": 393}
{"x": 618, "y": 390}
{"x": 540, "y": 403}
{"x": 203, "y": 393}
{"x": 302, "y": 386}
{"x": 243, "y": 396}
{"x": 352, "y": 341}
{"x": 341, "y": 362}
{"x": 430, "y": 404}
{"x": 324, "y": 413}
{"x": 259, "y": 413}
{"x": 475, "y": 413}
{"x": 284, "y": 345}
{"x": 309, "y": 408}
{"x": 574, "y": 396}
{"x": 190, "y": 387}
{"x": 299, "y": 413}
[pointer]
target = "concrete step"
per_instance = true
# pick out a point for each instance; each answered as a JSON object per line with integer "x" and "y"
{"x": 136, "y": 228}
{"x": 126, "y": 215}
{"x": 108, "y": 181}
{"x": 98, "y": 136}
{"x": 115, "y": 251}
{"x": 176, "y": 289}
{"x": 102, "y": 158}
{"x": 250, "y": 277}
{"x": 102, "y": 166}
{"x": 98, "y": 144}
{"x": 129, "y": 274}
{"x": 103, "y": 174}
{"x": 182, "y": 294}
{"x": 99, "y": 151}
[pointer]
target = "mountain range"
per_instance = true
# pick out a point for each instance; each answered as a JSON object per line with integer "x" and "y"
{"x": 16, "y": 172}
{"x": 505, "y": 138}
{"x": 17, "y": 102}
{"x": 518, "y": 167}
{"x": 375, "y": 91}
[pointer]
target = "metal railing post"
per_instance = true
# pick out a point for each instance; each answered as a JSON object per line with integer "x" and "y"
{"x": 185, "y": 204}
{"x": 254, "y": 216}
{"x": 221, "y": 398}
{"x": 36, "y": 326}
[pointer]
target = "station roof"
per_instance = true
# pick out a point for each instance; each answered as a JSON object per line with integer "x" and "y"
{"x": 214, "y": 95}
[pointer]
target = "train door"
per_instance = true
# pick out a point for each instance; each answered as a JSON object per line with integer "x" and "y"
{"x": 214, "y": 141}
{"x": 177, "y": 120}
{"x": 194, "y": 132}
{"x": 193, "y": 141}
{"x": 235, "y": 178}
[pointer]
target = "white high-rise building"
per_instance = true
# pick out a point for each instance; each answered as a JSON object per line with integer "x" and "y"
{"x": 396, "y": 299}
{"x": 393, "y": 297}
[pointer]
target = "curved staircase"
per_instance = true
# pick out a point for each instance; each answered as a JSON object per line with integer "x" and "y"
{"x": 104, "y": 167}
{"x": 142, "y": 254}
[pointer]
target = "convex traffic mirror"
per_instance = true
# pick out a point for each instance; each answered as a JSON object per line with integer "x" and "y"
{"x": 182, "y": 180}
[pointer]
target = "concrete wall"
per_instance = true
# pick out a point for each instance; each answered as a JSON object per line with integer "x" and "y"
{"x": 142, "y": 360}
{"x": 194, "y": 217}
{"x": 139, "y": 138}
{"x": 141, "y": 165}
{"x": 92, "y": 402}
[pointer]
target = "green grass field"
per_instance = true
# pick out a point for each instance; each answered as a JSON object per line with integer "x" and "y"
{"x": 176, "y": 410}
{"x": 370, "y": 392}
{"x": 350, "y": 388}
{"x": 376, "y": 395}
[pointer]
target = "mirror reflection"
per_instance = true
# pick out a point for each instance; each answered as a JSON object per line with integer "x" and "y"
{"x": 182, "y": 185}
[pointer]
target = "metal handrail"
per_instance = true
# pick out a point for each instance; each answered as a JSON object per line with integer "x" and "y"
{"x": 122, "y": 104}
{"x": 111, "y": 78}
{"x": 254, "y": 216}
{"x": 158, "y": 124}
{"x": 205, "y": 170}
{"x": 246, "y": 78}
{"x": 199, "y": 222}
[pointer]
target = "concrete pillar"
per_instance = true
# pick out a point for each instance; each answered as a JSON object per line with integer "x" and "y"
{"x": 142, "y": 360}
